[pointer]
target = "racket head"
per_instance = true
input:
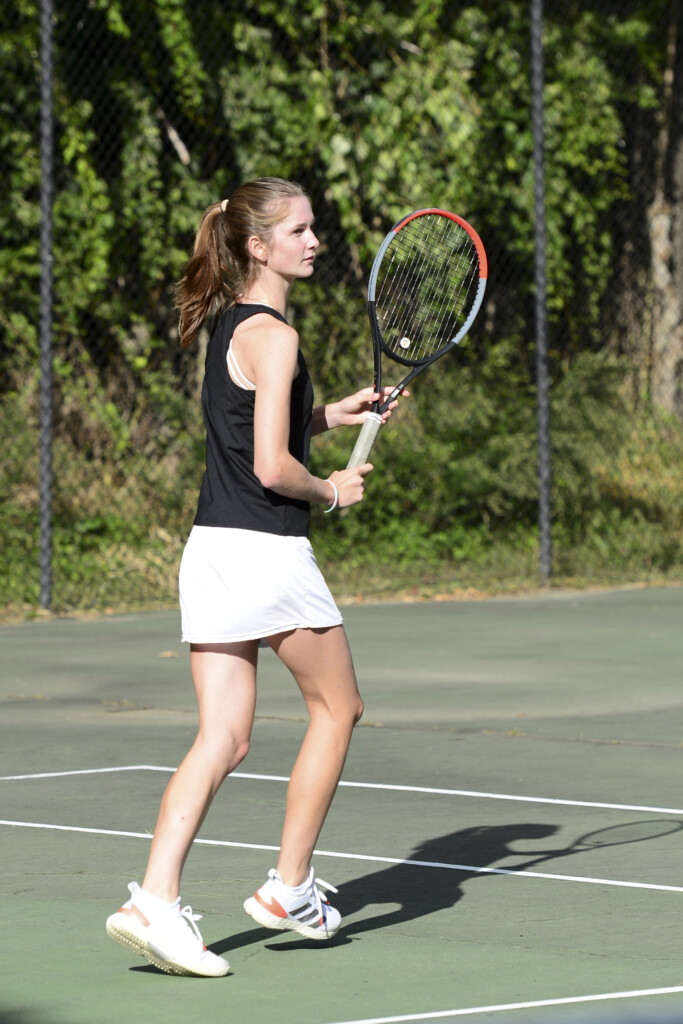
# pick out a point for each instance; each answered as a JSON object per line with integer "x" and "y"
{"x": 426, "y": 285}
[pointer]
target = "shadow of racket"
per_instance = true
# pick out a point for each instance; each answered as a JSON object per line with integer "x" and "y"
{"x": 613, "y": 835}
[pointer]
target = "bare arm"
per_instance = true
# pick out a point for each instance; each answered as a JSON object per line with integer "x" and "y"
{"x": 274, "y": 364}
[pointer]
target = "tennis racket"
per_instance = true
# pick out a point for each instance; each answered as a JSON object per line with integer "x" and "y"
{"x": 426, "y": 286}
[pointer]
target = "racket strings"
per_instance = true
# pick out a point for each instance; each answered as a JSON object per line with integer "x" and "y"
{"x": 408, "y": 262}
{"x": 430, "y": 278}
{"x": 447, "y": 294}
{"x": 435, "y": 248}
{"x": 432, "y": 284}
{"x": 448, "y": 314}
{"x": 427, "y": 286}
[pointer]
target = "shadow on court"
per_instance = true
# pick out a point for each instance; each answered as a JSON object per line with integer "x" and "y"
{"x": 428, "y": 887}
{"x": 420, "y": 890}
{"x": 21, "y": 1015}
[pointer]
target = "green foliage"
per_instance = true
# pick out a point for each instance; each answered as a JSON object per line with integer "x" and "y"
{"x": 377, "y": 108}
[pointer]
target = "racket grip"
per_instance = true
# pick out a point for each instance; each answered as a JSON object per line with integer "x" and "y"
{"x": 366, "y": 439}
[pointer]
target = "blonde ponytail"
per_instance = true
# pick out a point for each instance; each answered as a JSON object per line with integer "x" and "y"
{"x": 204, "y": 287}
{"x": 221, "y": 267}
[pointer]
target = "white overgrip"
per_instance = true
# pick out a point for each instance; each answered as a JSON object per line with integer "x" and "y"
{"x": 366, "y": 439}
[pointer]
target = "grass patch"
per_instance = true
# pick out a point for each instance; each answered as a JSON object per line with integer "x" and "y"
{"x": 120, "y": 523}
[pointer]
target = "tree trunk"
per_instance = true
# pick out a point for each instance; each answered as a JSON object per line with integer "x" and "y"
{"x": 665, "y": 217}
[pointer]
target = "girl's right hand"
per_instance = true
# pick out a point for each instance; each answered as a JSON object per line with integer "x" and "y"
{"x": 350, "y": 483}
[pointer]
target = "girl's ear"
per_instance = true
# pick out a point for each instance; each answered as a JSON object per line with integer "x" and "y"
{"x": 257, "y": 249}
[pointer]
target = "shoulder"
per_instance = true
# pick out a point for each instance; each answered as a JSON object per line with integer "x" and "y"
{"x": 266, "y": 323}
{"x": 268, "y": 349}
{"x": 265, "y": 334}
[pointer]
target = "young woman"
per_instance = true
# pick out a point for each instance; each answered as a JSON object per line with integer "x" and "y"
{"x": 248, "y": 574}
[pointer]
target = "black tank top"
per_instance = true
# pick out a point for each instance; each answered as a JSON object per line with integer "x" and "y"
{"x": 231, "y": 494}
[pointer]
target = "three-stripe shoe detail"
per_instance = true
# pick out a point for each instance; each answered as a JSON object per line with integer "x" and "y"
{"x": 276, "y": 905}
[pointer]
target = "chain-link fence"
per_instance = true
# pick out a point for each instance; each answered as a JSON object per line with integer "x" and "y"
{"x": 161, "y": 107}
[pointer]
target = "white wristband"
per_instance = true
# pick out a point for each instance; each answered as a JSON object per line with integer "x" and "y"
{"x": 336, "y": 498}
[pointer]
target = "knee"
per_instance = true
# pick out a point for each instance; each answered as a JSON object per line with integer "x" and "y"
{"x": 224, "y": 755}
{"x": 342, "y": 717}
{"x": 234, "y": 752}
{"x": 352, "y": 714}
{"x": 231, "y": 758}
{"x": 241, "y": 750}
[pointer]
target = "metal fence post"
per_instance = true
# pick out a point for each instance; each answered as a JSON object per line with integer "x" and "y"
{"x": 540, "y": 277}
{"x": 46, "y": 189}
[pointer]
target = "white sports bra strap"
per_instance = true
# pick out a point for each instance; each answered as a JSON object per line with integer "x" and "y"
{"x": 236, "y": 374}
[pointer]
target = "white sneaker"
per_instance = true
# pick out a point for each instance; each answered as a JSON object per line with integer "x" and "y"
{"x": 302, "y": 909}
{"x": 164, "y": 934}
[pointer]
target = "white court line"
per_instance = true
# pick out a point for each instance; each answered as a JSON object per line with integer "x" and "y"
{"x": 440, "y": 1015}
{"x": 374, "y": 785}
{"x": 337, "y": 854}
{"x": 128, "y": 835}
{"x": 88, "y": 771}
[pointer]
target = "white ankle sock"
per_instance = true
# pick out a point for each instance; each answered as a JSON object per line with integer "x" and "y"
{"x": 297, "y": 890}
{"x": 147, "y": 900}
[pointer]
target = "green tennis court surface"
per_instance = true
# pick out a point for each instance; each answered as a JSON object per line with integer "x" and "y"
{"x": 507, "y": 841}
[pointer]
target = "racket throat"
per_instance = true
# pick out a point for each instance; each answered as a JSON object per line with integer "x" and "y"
{"x": 397, "y": 391}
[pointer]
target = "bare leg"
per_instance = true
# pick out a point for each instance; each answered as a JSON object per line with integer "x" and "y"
{"x": 320, "y": 661}
{"x": 224, "y": 676}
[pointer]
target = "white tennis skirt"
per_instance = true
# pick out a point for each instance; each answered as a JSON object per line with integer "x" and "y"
{"x": 245, "y": 585}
